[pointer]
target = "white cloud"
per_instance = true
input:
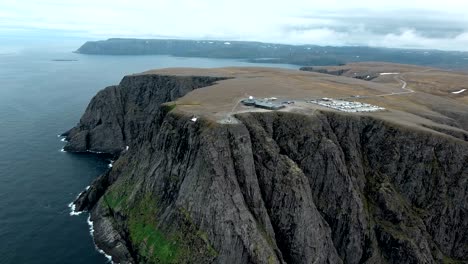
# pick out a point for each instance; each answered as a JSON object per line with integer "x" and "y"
{"x": 397, "y": 23}
{"x": 410, "y": 39}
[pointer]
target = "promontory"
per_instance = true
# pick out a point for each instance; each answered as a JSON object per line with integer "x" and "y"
{"x": 359, "y": 163}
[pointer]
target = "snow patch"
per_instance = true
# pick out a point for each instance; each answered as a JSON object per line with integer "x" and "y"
{"x": 194, "y": 119}
{"x": 389, "y": 73}
{"x": 458, "y": 92}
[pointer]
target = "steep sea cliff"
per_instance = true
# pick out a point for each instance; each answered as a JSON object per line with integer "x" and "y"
{"x": 276, "y": 187}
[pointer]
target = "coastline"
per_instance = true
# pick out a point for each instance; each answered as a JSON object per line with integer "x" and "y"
{"x": 91, "y": 232}
{"x": 73, "y": 212}
{"x": 169, "y": 137}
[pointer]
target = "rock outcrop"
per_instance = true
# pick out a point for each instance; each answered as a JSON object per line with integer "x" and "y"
{"x": 366, "y": 76}
{"x": 276, "y": 187}
{"x": 117, "y": 114}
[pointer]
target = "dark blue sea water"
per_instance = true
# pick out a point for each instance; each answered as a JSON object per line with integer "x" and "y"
{"x": 39, "y": 99}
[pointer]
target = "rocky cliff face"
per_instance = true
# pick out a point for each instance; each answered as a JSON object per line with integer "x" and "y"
{"x": 117, "y": 114}
{"x": 275, "y": 188}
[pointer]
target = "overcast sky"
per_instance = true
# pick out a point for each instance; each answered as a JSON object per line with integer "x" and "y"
{"x": 398, "y": 23}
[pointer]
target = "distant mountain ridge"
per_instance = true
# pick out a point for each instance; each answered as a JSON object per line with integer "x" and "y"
{"x": 302, "y": 55}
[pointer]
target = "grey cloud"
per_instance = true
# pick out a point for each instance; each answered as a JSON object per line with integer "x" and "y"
{"x": 428, "y": 24}
{"x": 331, "y": 22}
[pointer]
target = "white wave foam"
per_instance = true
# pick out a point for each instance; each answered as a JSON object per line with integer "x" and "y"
{"x": 63, "y": 140}
{"x": 108, "y": 257}
{"x": 91, "y": 227}
{"x": 91, "y": 232}
{"x": 90, "y": 224}
{"x": 73, "y": 211}
{"x": 72, "y": 205}
{"x": 95, "y": 152}
{"x": 62, "y": 150}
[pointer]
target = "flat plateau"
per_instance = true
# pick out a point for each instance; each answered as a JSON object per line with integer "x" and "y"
{"x": 412, "y": 96}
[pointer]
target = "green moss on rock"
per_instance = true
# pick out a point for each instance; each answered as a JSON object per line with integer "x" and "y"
{"x": 117, "y": 196}
{"x": 179, "y": 241}
{"x": 169, "y": 107}
{"x": 151, "y": 243}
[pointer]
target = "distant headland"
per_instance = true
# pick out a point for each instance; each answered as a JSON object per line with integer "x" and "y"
{"x": 259, "y": 52}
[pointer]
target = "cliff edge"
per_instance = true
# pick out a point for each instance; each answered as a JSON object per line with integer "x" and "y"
{"x": 292, "y": 186}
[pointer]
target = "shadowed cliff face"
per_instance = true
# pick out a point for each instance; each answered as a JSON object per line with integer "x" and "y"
{"x": 388, "y": 193}
{"x": 276, "y": 188}
{"x": 117, "y": 114}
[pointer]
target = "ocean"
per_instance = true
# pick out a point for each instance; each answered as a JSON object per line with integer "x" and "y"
{"x": 43, "y": 92}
